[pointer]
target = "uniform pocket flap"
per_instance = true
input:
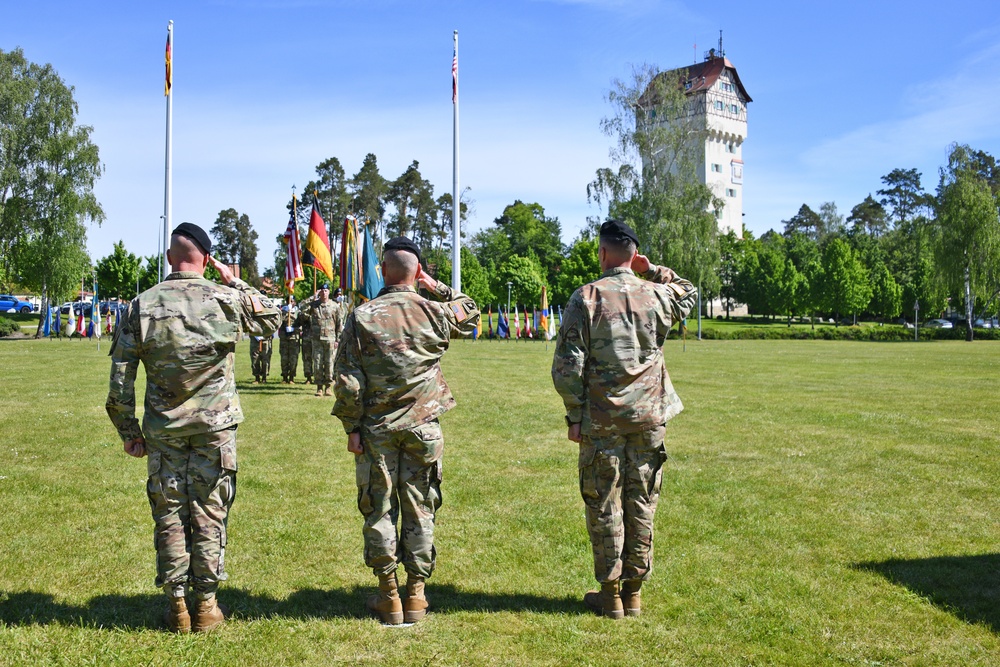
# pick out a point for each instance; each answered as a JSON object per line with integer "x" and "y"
{"x": 227, "y": 457}
{"x": 587, "y": 453}
{"x": 153, "y": 464}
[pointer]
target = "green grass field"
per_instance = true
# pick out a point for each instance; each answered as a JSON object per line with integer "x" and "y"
{"x": 825, "y": 503}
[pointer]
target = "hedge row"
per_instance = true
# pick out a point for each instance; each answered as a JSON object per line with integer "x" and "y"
{"x": 8, "y": 326}
{"x": 879, "y": 334}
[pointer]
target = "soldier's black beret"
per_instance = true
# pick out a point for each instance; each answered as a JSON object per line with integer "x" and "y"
{"x": 616, "y": 230}
{"x": 196, "y": 234}
{"x": 402, "y": 243}
{"x": 325, "y": 286}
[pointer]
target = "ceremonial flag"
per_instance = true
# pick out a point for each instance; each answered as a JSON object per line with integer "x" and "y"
{"x": 118, "y": 316}
{"x": 517, "y": 323}
{"x": 316, "y": 252}
{"x": 58, "y": 323}
{"x": 371, "y": 274}
{"x": 293, "y": 254}
{"x": 95, "y": 315}
{"x": 545, "y": 313}
{"x": 47, "y": 326}
{"x": 503, "y": 326}
{"x": 350, "y": 256}
{"x": 71, "y": 319}
{"x": 454, "y": 76}
{"x": 552, "y": 326}
{"x": 169, "y": 83}
{"x": 527, "y": 323}
{"x": 489, "y": 320}
{"x": 81, "y": 321}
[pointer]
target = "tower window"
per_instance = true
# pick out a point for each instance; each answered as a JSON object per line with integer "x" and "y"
{"x": 717, "y": 168}
{"x": 718, "y": 105}
{"x": 730, "y": 192}
{"x": 730, "y": 148}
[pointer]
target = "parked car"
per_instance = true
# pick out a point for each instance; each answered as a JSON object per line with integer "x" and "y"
{"x": 79, "y": 308}
{"x": 938, "y": 324}
{"x": 10, "y": 303}
{"x": 113, "y": 306}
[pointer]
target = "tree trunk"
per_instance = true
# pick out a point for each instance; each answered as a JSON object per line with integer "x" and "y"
{"x": 968, "y": 304}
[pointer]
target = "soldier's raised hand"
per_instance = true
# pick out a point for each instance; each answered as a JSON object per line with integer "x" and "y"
{"x": 425, "y": 279}
{"x": 224, "y": 271}
{"x": 640, "y": 263}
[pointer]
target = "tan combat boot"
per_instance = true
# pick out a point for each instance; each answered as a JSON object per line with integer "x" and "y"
{"x": 319, "y": 390}
{"x": 209, "y": 615}
{"x": 177, "y": 617}
{"x": 631, "y": 601}
{"x": 415, "y": 605}
{"x": 606, "y": 602}
{"x": 328, "y": 391}
{"x": 386, "y": 603}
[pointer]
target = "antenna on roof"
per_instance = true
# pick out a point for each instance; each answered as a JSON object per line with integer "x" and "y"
{"x": 695, "y": 48}
{"x": 722, "y": 53}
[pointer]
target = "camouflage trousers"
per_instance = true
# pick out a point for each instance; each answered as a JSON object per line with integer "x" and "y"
{"x": 307, "y": 356}
{"x": 324, "y": 353}
{"x": 288, "y": 348}
{"x": 260, "y": 357}
{"x": 620, "y": 478}
{"x": 191, "y": 486}
{"x": 399, "y": 477}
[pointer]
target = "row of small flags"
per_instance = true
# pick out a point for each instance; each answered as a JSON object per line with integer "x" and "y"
{"x": 536, "y": 325}
{"x": 83, "y": 326}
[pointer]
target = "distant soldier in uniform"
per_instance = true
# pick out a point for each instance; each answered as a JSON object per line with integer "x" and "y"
{"x": 260, "y": 357}
{"x": 608, "y": 368}
{"x": 390, "y": 393}
{"x": 305, "y": 332}
{"x": 184, "y": 331}
{"x": 288, "y": 344}
{"x": 326, "y": 319}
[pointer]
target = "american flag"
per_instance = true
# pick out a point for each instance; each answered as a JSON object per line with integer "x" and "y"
{"x": 454, "y": 78}
{"x": 293, "y": 264}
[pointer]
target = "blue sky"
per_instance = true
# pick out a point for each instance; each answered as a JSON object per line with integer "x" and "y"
{"x": 265, "y": 90}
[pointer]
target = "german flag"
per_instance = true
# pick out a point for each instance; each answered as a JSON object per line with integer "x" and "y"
{"x": 169, "y": 83}
{"x": 316, "y": 252}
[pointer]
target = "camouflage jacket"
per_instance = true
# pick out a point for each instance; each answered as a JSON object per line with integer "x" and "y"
{"x": 387, "y": 376}
{"x": 326, "y": 320}
{"x": 184, "y": 331}
{"x": 608, "y": 363}
{"x": 288, "y": 328}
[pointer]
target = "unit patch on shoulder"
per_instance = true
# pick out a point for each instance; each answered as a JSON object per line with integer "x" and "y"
{"x": 258, "y": 307}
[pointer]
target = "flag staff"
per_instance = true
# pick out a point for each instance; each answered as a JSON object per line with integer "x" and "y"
{"x": 168, "y": 185}
{"x": 456, "y": 250}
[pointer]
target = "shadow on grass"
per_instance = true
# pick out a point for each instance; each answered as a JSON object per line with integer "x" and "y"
{"x": 133, "y": 612}
{"x": 966, "y": 586}
{"x": 274, "y": 387}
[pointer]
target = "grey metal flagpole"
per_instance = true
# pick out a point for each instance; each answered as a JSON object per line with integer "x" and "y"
{"x": 456, "y": 233}
{"x": 168, "y": 186}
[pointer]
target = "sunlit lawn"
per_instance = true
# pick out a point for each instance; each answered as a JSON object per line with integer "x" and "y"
{"x": 826, "y": 503}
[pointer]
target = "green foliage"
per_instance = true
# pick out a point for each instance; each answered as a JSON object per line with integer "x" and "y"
{"x": 903, "y": 195}
{"x": 8, "y": 327}
{"x": 580, "y": 267}
{"x": 117, "y": 273}
{"x": 48, "y": 166}
{"x": 844, "y": 287}
{"x": 868, "y": 217}
{"x": 236, "y": 243}
{"x": 475, "y": 280}
{"x": 806, "y": 221}
{"x": 370, "y": 190}
{"x": 887, "y": 295}
{"x": 525, "y": 277}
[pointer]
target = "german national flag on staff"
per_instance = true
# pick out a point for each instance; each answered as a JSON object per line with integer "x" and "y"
{"x": 316, "y": 252}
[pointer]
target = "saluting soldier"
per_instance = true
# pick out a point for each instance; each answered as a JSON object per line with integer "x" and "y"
{"x": 184, "y": 331}
{"x": 288, "y": 343}
{"x": 608, "y": 368}
{"x": 390, "y": 393}
{"x": 326, "y": 321}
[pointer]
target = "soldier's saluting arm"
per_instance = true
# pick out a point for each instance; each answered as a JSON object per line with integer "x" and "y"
{"x": 461, "y": 311}
{"x": 258, "y": 314}
{"x": 680, "y": 295}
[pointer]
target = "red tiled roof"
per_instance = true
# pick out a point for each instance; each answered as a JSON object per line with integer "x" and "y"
{"x": 703, "y": 75}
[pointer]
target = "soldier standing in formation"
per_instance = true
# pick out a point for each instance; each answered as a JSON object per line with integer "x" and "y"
{"x": 184, "y": 331}
{"x": 326, "y": 319}
{"x": 608, "y": 368}
{"x": 288, "y": 344}
{"x": 305, "y": 336}
{"x": 260, "y": 357}
{"x": 390, "y": 393}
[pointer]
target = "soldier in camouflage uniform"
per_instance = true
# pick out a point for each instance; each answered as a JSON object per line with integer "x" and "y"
{"x": 305, "y": 332}
{"x": 608, "y": 368}
{"x": 184, "y": 331}
{"x": 390, "y": 393}
{"x": 326, "y": 319}
{"x": 288, "y": 344}
{"x": 260, "y": 357}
